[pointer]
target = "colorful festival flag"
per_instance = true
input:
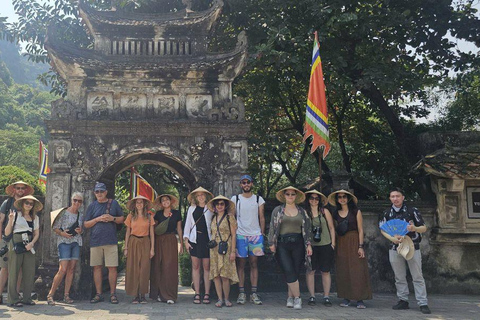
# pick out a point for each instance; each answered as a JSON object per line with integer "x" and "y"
{"x": 140, "y": 187}
{"x": 43, "y": 163}
{"x": 316, "y": 119}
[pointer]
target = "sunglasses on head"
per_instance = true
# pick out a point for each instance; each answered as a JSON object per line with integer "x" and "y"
{"x": 77, "y": 200}
{"x": 29, "y": 203}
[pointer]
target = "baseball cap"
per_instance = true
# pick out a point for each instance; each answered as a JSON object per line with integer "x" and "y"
{"x": 100, "y": 186}
{"x": 246, "y": 177}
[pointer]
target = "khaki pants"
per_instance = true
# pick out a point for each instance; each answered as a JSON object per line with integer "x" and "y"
{"x": 16, "y": 262}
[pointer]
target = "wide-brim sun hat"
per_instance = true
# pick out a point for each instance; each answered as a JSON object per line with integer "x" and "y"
{"x": 158, "y": 201}
{"x": 332, "y": 197}
{"x": 131, "y": 203}
{"x": 38, "y": 206}
{"x": 298, "y": 199}
{"x": 231, "y": 204}
{"x": 406, "y": 248}
{"x": 191, "y": 195}
{"x": 10, "y": 189}
{"x": 321, "y": 195}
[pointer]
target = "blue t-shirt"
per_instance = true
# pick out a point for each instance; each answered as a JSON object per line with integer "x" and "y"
{"x": 103, "y": 233}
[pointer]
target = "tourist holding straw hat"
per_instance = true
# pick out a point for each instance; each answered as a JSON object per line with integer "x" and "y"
{"x": 25, "y": 226}
{"x": 67, "y": 225}
{"x": 290, "y": 238}
{"x": 15, "y": 191}
{"x": 139, "y": 248}
{"x": 196, "y": 235}
{"x": 164, "y": 271}
{"x": 323, "y": 244}
{"x": 223, "y": 270}
{"x": 352, "y": 276}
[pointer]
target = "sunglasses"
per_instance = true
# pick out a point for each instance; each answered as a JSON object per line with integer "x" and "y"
{"x": 315, "y": 198}
{"x": 100, "y": 191}
{"x": 246, "y": 182}
{"x": 290, "y": 194}
{"x": 77, "y": 200}
{"x": 20, "y": 188}
{"x": 29, "y": 203}
{"x": 342, "y": 197}
{"x": 221, "y": 204}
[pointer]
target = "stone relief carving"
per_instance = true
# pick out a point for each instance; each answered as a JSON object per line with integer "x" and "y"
{"x": 61, "y": 150}
{"x": 198, "y": 106}
{"x": 451, "y": 209}
{"x": 99, "y": 104}
{"x": 133, "y": 104}
{"x": 237, "y": 154}
{"x": 166, "y": 106}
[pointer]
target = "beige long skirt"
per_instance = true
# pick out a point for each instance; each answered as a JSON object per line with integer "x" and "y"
{"x": 138, "y": 266}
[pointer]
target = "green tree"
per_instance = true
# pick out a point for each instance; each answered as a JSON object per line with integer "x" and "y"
{"x": 10, "y": 174}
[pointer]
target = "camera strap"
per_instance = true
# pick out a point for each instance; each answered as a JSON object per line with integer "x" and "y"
{"x": 204, "y": 209}
{"x": 218, "y": 226}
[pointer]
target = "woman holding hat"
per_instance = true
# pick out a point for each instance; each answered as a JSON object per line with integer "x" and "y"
{"x": 323, "y": 244}
{"x": 66, "y": 224}
{"x": 290, "y": 238}
{"x": 196, "y": 235}
{"x": 352, "y": 276}
{"x": 25, "y": 226}
{"x": 139, "y": 248}
{"x": 223, "y": 270}
{"x": 164, "y": 271}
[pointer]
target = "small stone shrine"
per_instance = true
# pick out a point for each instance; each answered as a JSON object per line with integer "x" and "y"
{"x": 148, "y": 92}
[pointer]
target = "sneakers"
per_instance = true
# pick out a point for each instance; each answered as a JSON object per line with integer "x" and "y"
{"x": 242, "y": 297}
{"x": 425, "y": 309}
{"x": 170, "y": 302}
{"x": 327, "y": 302}
{"x": 255, "y": 299}
{"x": 311, "y": 301}
{"x": 401, "y": 305}
{"x": 297, "y": 304}
{"x": 290, "y": 302}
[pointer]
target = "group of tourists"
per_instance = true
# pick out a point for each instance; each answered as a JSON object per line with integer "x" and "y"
{"x": 220, "y": 234}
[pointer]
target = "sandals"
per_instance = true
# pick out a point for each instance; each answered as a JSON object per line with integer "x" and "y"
{"x": 50, "y": 300}
{"x": 228, "y": 303}
{"x": 136, "y": 300}
{"x": 113, "y": 298}
{"x": 206, "y": 298}
{"x": 312, "y": 301}
{"x": 196, "y": 299}
{"x": 219, "y": 304}
{"x": 361, "y": 305}
{"x": 66, "y": 298}
{"x": 29, "y": 303}
{"x": 97, "y": 298}
{"x": 143, "y": 300}
{"x": 16, "y": 304}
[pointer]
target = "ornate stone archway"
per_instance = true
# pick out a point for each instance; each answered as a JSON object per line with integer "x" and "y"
{"x": 149, "y": 92}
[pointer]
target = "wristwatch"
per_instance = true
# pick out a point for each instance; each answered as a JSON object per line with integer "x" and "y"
{"x": 114, "y": 219}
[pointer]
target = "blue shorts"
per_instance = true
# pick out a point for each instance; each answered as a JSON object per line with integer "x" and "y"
{"x": 68, "y": 251}
{"x": 249, "y": 245}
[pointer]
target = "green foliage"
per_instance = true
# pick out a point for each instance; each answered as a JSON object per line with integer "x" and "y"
{"x": 10, "y": 174}
{"x": 185, "y": 266}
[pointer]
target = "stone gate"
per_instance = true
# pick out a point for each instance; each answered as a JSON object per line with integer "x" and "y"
{"x": 148, "y": 92}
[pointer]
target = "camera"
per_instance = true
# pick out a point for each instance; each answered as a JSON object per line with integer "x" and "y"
{"x": 3, "y": 251}
{"x": 317, "y": 234}
{"x": 212, "y": 244}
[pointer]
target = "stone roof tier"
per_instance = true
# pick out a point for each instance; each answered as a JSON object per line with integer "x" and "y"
{"x": 453, "y": 162}
{"x": 118, "y": 24}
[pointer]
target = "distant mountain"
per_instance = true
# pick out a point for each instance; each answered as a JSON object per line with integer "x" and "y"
{"x": 20, "y": 69}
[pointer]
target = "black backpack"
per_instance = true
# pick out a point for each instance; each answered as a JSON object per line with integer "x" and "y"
{"x": 7, "y": 211}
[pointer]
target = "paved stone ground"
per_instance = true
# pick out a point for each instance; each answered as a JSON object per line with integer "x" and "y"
{"x": 444, "y": 307}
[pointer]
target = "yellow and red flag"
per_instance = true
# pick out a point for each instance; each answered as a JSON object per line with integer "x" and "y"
{"x": 316, "y": 119}
{"x": 140, "y": 187}
{"x": 43, "y": 164}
